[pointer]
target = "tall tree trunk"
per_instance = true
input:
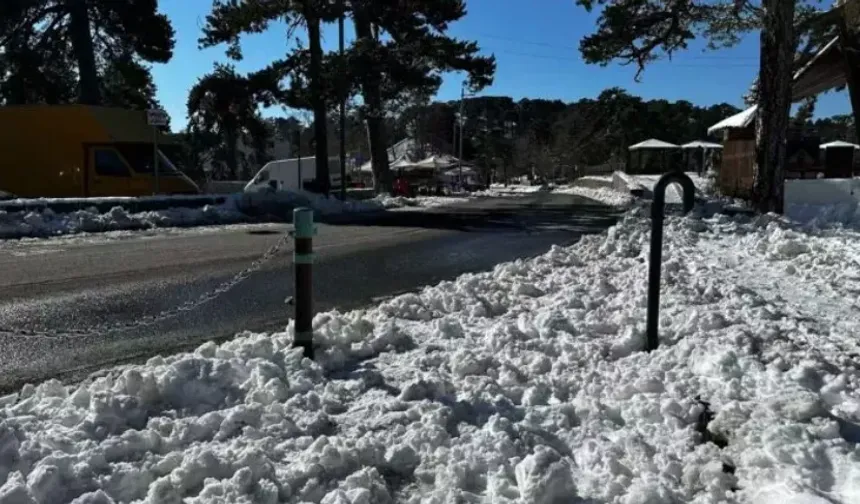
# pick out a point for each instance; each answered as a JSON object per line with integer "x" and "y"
{"x": 323, "y": 178}
{"x": 82, "y": 44}
{"x": 774, "y": 104}
{"x": 849, "y": 38}
{"x": 374, "y": 115}
{"x": 231, "y": 136}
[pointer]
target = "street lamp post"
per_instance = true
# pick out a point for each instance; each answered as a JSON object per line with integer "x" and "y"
{"x": 509, "y": 134}
{"x": 342, "y": 150}
{"x": 461, "y": 119}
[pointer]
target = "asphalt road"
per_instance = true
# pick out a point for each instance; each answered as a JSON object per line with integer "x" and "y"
{"x": 68, "y": 285}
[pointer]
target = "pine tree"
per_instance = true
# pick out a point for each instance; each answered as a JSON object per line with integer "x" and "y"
{"x": 107, "y": 42}
{"x": 402, "y": 49}
{"x": 309, "y": 86}
{"x": 225, "y": 104}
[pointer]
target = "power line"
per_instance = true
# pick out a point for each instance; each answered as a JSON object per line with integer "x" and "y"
{"x": 572, "y": 48}
{"x": 671, "y": 62}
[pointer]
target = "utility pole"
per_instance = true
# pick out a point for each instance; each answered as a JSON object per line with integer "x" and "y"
{"x": 461, "y": 121}
{"x": 342, "y": 111}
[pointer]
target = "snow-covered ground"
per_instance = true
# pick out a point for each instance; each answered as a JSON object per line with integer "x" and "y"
{"x": 497, "y": 190}
{"x": 703, "y": 184}
{"x": 523, "y": 384}
{"x": 418, "y": 202}
{"x": 47, "y": 223}
{"x": 39, "y": 246}
{"x": 604, "y": 195}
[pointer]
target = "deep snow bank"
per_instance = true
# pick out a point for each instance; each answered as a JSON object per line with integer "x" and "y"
{"x": 524, "y": 384}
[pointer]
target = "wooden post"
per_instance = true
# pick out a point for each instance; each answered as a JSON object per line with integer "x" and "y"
{"x": 848, "y": 40}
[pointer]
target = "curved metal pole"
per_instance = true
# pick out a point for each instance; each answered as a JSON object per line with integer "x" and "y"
{"x": 657, "y": 210}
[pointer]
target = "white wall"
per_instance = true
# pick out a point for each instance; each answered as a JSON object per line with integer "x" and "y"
{"x": 822, "y": 191}
{"x": 823, "y": 200}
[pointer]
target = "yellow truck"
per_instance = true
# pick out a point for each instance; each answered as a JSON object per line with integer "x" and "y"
{"x": 73, "y": 151}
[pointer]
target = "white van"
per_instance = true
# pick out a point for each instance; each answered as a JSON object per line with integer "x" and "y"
{"x": 283, "y": 175}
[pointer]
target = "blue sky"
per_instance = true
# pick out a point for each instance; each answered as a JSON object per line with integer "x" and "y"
{"x": 535, "y": 48}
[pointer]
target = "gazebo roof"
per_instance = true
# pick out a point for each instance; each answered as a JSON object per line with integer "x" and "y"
{"x": 701, "y": 144}
{"x": 653, "y": 143}
{"x": 837, "y": 144}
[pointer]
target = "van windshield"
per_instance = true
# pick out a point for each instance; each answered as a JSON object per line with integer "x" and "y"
{"x": 262, "y": 176}
{"x": 139, "y": 156}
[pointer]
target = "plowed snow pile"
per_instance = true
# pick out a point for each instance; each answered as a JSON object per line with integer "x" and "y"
{"x": 47, "y": 223}
{"x": 524, "y": 384}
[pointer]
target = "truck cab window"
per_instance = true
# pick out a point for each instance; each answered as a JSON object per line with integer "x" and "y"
{"x": 108, "y": 163}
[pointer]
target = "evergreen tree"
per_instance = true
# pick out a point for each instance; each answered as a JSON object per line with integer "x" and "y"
{"x": 310, "y": 86}
{"x": 401, "y": 49}
{"x": 108, "y": 43}
{"x": 224, "y": 105}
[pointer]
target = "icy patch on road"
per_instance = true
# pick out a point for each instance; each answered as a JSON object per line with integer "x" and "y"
{"x": 523, "y": 384}
{"x": 36, "y": 246}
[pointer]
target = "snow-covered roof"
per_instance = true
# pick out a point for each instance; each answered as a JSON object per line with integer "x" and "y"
{"x": 653, "y": 143}
{"x": 396, "y": 152}
{"x": 838, "y": 143}
{"x": 699, "y": 144}
{"x": 440, "y": 161}
{"x": 456, "y": 171}
{"x": 739, "y": 120}
{"x": 401, "y": 163}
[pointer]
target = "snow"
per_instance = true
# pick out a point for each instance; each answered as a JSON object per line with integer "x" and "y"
{"x": 418, "y": 202}
{"x": 39, "y": 246}
{"x": 653, "y": 143}
{"x": 703, "y": 184}
{"x": 838, "y": 144}
{"x": 109, "y": 199}
{"x": 500, "y": 190}
{"x": 740, "y": 120}
{"x": 603, "y": 195}
{"x": 324, "y": 205}
{"x": 43, "y": 223}
{"x": 522, "y": 384}
{"x": 47, "y": 223}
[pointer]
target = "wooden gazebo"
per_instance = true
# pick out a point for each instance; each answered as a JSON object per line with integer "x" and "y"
{"x": 700, "y": 149}
{"x": 644, "y": 153}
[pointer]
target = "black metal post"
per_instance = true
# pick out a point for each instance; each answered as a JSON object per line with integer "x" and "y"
{"x": 657, "y": 209}
{"x": 303, "y": 258}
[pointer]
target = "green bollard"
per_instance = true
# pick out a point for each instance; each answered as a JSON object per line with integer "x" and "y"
{"x": 303, "y": 258}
